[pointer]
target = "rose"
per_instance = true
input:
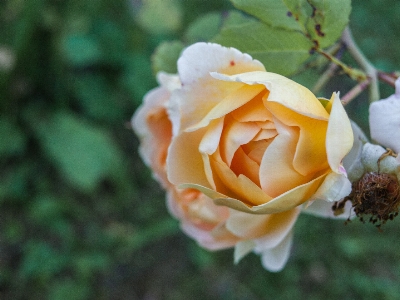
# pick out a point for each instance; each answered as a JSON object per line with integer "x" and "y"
{"x": 212, "y": 226}
{"x": 384, "y": 120}
{"x": 252, "y": 140}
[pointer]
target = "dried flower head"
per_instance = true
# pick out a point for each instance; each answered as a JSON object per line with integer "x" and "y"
{"x": 376, "y": 195}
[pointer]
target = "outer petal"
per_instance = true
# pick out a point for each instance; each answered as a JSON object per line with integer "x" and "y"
{"x": 273, "y": 228}
{"x": 339, "y": 136}
{"x": 275, "y": 259}
{"x": 323, "y": 209}
{"x": 335, "y": 187}
{"x": 352, "y": 161}
{"x": 200, "y": 92}
{"x": 198, "y": 60}
{"x": 384, "y": 120}
{"x": 184, "y": 161}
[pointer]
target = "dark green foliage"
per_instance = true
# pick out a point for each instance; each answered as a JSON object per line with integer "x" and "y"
{"x": 80, "y": 216}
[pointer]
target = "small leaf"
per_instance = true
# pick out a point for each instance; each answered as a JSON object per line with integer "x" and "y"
{"x": 166, "y": 56}
{"x": 281, "y": 51}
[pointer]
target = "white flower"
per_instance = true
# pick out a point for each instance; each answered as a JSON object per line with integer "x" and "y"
{"x": 384, "y": 120}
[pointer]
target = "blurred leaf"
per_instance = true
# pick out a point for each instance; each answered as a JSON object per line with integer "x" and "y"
{"x": 160, "y": 16}
{"x": 41, "y": 261}
{"x": 165, "y": 57}
{"x": 323, "y": 20}
{"x": 138, "y": 77}
{"x": 81, "y": 50}
{"x": 89, "y": 264}
{"x": 13, "y": 140}
{"x": 84, "y": 153}
{"x": 96, "y": 97}
{"x": 46, "y": 209}
{"x": 14, "y": 182}
{"x": 280, "y": 51}
{"x": 69, "y": 289}
{"x": 204, "y": 28}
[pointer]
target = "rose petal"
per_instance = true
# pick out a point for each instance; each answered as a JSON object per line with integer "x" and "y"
{"x": 335, "y": 187}
{"x": 284, "y": 202}
{"x": 284, "y": 91}
{"x": 234, "y": 135}
{"x": 321, "y": 208}
{"x": 277, "y": 174}
{"x": 275, "y": 259}
{"x": 339, "y": 136}
{"x": 198, "y": 60}
{"x": 310, "y": 156}
{"x": 184, "y": 161}
{"x": 231, "y": 102}
{"x": 270, "y": 229}
{"x": 242, "y": 248}
{"x": 384, "y": 120}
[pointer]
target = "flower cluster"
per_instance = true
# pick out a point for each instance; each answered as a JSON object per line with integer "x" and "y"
{"x": 242, "y": 151}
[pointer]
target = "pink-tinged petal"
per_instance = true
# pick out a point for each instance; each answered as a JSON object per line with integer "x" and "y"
{"x": 234, "y": 135}
{"x": 206, "y": 239}
{"x": 231, "y": 102}
{"x": 339, "y": 136}
{"x": 310, "y": 155}
{"x": 284, "y": 91}
{"x": 184, "y": 161}
{"x": 384, "y": 120}
{"x": 270, "y": 229}
{"x": 277, "y": 174}
{"x": 198, "y": 60}
{"x": 275, "y": 259}
{"x": 286, "y": 201}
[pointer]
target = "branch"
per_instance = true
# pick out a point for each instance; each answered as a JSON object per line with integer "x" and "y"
{"x": 365, "y": 64}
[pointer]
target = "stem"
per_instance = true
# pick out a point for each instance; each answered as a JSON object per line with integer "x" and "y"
{"x": 365, "y": 64}
{"x": 322, "y": 81}
{"x": 330, "y": 71}
{"x": 355, "y": 91}
{"x": 387, "y": 78}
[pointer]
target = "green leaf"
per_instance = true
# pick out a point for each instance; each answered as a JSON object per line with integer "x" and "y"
{"x": 166, "y": 56}
{"x": 281, "y": 51}
{"x": 321, "y": 20}
{"x": 84, "y": 153}
{"x": 272, "y": 12}
{"x": 204, "y": 28}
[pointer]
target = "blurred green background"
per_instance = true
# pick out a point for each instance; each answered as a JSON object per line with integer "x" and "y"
{"x": 81, "y": 217}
